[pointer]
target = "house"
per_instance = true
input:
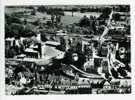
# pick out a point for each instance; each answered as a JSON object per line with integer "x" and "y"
{"x": 112, "y": 85}
{"x": 107, "y": 85}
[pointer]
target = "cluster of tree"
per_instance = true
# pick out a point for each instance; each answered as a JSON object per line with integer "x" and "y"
{"x": 14, "y": 27}
{"x": 116, "y": 17}
{"x": 17, "y": 30}
{"x": 55, "y": 12}
{"x": 122, "y": 8}
{"x": 68, "y": 59}
{"x": 12, "y": 19}
{"x": 119, "y": 33}
{"x": 118, "y": 8}
{"x": 60, "y": 11}
{"x": 119, "y": 17}
{"x": 128, "y": 29}
{"x": 88, "y": 22}
{"x": 50, "y": 11}
{"x": 10, "y": 52}
{"x": 74, "y": 9}
{"x": 93, "y": 9}
{"x": 105, "y": 13}
{"x": 42, "y": 9}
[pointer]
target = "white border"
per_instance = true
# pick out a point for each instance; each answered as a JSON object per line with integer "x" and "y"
{"x": 66, "y": 2}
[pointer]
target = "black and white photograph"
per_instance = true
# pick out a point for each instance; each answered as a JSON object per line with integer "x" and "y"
{"x": 67, "y": 49}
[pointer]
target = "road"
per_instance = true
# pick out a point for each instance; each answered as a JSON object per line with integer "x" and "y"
{"x": 106, "y": 28}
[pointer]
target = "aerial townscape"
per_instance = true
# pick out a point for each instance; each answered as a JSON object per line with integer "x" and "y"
{"x": 67, "y": 49}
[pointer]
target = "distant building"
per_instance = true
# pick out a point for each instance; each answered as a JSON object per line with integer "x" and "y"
{"x": 30, "y": 53}
{"x": 112, "y": 85}
{"x": 107, "y": 86}
{"x": 9, "y": 42}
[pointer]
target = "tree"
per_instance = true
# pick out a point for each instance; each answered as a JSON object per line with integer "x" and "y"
{"x": 84, "y": 22}
{"x": 105, "y": 13}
